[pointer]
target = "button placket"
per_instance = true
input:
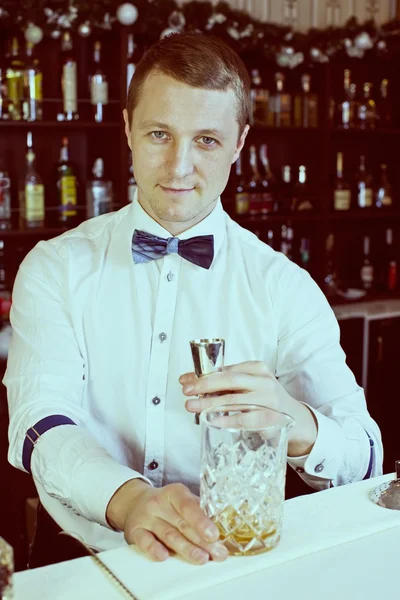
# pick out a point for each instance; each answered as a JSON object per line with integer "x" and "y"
{"x": 158, "y": 369}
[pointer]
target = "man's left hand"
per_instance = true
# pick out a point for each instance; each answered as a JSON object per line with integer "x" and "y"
{"x": 251, "y": 382}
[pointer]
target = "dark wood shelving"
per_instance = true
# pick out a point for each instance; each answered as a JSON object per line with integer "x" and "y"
{"x": 278, "y": 218}
{"x": 361, "y": 215}
{"x": 59, "y": 124}
{"x": 33, "y": 232}
{"x": 370, "y": 297}
{"x": 357, "y": 131}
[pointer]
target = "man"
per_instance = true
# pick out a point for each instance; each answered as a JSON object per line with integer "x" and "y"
{"x": 100, "y": 385}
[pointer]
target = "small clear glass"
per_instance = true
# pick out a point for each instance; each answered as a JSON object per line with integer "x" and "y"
{"x": 243, "y": 473}
{"x": 6, "y": 570}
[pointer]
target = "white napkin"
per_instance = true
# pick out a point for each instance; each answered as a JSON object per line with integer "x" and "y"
{"x": 311, "y": 523}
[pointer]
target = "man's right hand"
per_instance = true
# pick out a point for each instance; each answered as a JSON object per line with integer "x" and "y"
{"x": 157, "y": 520}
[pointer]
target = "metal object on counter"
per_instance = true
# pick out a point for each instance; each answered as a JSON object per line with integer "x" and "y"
{"x": 208, "y": 357}
{"x": 387, "y": 494}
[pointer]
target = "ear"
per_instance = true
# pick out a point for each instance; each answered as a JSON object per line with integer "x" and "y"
{"x": 127, "y": 130}
{"x": 240, "y": 143}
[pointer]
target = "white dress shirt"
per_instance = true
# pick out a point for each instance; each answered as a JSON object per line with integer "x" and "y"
{"x": 103, "y": 341}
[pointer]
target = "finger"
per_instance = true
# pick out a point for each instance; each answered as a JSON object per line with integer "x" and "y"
{"x": 149, "y": 545}
{"x": 250, "y": 367}
{"x": 199, "y": 404}
{"x": 254, "y": 419}
{"x": 172, "y": 538}
{"x": 188, "y": 508}
{"x": 223, "y": 381}
{"x": 217, "y": 551}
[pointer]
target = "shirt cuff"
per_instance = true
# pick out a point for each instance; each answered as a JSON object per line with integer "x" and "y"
{"x": 320, "y": 467}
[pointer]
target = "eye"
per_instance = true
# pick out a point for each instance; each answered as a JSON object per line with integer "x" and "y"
{"x": 208, "y": 141}
{"x": 157, "y": 134}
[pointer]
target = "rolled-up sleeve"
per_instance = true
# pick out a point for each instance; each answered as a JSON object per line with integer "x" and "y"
{"x": 311, "y": 366}
{"x": 45, "y": 376}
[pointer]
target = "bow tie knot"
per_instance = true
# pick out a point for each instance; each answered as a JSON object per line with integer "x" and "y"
{"x": 198, "y": 250}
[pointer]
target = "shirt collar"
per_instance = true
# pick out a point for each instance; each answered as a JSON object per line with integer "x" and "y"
{"x": 213, "y": 224}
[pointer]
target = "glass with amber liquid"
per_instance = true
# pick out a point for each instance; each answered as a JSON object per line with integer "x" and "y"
{"x": 243, "y": 471}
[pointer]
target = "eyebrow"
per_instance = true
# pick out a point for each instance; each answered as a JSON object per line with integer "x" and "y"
{"x": 159, "y": 125}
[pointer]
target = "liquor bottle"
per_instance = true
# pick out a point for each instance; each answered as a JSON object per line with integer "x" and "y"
{"x": 364, "y": 189}
{"x": 132, "y": 185}
{"x": 268, "y": 182}
{"x": 384, "y": 194}
{"x": 286, "y": 190}
{"x": 330, "y": 278}
{"x": 5, "y": 199}
{"x": 15, "y": 82}
{"x": 390, "y": 270}
{"x": 69, "y": 80}
{"x": 258, "y": 100}
{"x": 254, "y": 186}
{"x": 270, "y": 238}
{"x": 287, "y": 241}
{"x": 31, "y": 194}
{"x": 280, "y": 104}
{"x": 32, "y": 94}
{"x": 341, "y": 189}
{"x": 131, "y": 59}
{"x": 4, "y": 104}
{"x": 344, "y": 104}
{"x": 241, "y": 195}
{"x": 3, "y": 269}
{"x": 67, "y": 187}
{"x": 353, "y": 106}
{"x": 367, "y": 109}
{"x": 305, "y": 253}
{"x": 306, "y": 105}
{"x": 384, "y": 105}
{"x": 367, "y": 269}
{"x": 301, "y": 192}
{"x": 98, "y": 85}
{"x": 99, "y": 195}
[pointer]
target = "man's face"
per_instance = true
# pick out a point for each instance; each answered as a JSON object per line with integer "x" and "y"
{"x": 183, "y": 142}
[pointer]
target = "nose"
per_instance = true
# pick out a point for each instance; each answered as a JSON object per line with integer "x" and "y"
{"x": 180, "y": 161}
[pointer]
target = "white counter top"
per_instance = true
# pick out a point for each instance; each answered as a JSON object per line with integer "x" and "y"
{"x": 379, "y": 309}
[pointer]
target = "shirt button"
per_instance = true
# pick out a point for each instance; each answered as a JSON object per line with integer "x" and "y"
{"x": 156, "y": 401}
{"x": 162, "y": 337}
{"x": 299, "y": 470}
{"x": 153, "y": 465}
{"x": 170, "y": 276}
{"x": 319, "y": 468}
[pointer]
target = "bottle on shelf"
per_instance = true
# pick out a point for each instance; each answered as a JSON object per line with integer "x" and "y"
{"x": 241, "y": 194}
{"x": 31, "y": 193}
{"x": 3, "y": 269}
{"x": 259, "y": 97}
{"x": 344, "y": 116}
{"x": 364, "y": 190}
{"x": 286, "y": 190}
{"x": 254, "y": 186}
{"x": 390, "y": 269}
{"x": 301, "y": 192}
{"x": 69, "y": 80}
{"x": 384, "y": 107}
{"x": 353, "y": 105}
{"x": 305, "y": 253}
{"x": 4, "y": 103}
{"x": 330, "y": 276}
{"x": 99, "y": 194}
{"x": 32, "y": 103}
{"x": 15, "y": 81}
{"x": 287, "y": 241}
{"x": 268, "y": 182}
{"x": 270, "y": 238}
{"x": 131, "y": 59}
{"x": 341, "y": 189}
{"x": 280, "y": 104}
{"x": 367, "y": 109}
{"x": 66, "y": 187}
{"x": 132, "y": 185}
{"x": 5, "y": 198}
{"x": 98, "y": 85}
{"x": 384, "y": 194}
{"x": 306, "y": 105}
{"x": 367, "y": 269}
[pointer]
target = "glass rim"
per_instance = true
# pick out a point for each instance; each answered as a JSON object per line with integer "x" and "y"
{"x": 227, "y": 407}
{"x": 204, "y": 341}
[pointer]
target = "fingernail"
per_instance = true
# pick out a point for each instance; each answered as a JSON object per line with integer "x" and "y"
{"x": 187, "y": 388}
{"x": 219, "y": 552}
{"x": 211, "y": 533}
{"x": 161, "y": 554}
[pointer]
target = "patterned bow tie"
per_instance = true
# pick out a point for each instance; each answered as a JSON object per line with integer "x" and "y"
{"x": 198, "y": 250}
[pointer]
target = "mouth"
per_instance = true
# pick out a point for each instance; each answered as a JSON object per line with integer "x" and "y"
{"x": 176, "y": 191}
